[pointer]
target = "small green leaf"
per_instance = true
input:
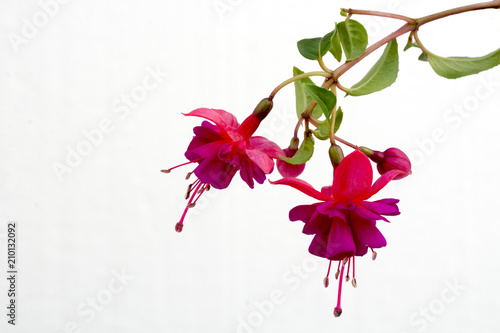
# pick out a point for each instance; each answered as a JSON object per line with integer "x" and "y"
{"x": 326, "y": 43}
{"x": 410, "y": 45}
{"x": 304, "y": 153}
{"x": 353, "y": 37}
{"x": 310, "y": 48}
{"x": 455, "y": 67}
{"x": 324, "y": 97}
{"x": 323, "y": 129}
{"x": 336, "y": 49}
{"x": 381, "y": 75}
{"x": 423, "y": 57}
{"x": 302, "y": 99}
{"x": 339, "y": 115}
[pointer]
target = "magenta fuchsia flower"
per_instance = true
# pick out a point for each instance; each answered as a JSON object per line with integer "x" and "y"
{"x": 343, "y": 222}
{"x": 222, "y": 149}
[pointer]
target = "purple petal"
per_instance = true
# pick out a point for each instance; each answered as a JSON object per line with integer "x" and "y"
{"x": 215, "y": 172}
{"x": 365, "y": 234}
{"x": 368, "y": 214}
{"x": 340, "y": 241}
{"x": 246, "y": 172}
{"x": 302, "y": 213}
{"x": 199, "y": 149}
{"x": 317, "y": 224}
{"x": 382, "y": 207}
{"x": 319, "y": 244}
{"x": 258, "y": 174}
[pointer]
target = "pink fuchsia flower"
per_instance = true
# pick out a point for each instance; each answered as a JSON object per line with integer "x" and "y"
{"x": 390, "y": 159}
{"x": 343, "y": 222}
{"x": 225, "y": 147}
{"x": 287, "y": 169}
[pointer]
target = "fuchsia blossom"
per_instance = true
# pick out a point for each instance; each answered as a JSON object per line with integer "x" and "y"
{"x": 225, "y": 148}
{"x": 343, "y": 221}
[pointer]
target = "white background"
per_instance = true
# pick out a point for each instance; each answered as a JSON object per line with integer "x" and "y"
{"x": 239, "y": 265}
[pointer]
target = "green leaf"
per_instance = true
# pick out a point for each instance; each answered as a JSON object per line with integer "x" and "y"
{"x": 304, "y": 153}
{"x": 302, "y": 99}
{"x": 339, "y": 115}
{"x": 324, "y": 97}
{"x": 423, "y": 57}
{"x": 455, "y": 67}
{"x": 336, "y": 49}
{"x": 353, "y": 37}
{"x": 326, "y": 43}
{"x": 323, "y": 129}
{"x": 310, "y": 48}
{"x": 381, "y": 75}
{"x": 410, "y": 45}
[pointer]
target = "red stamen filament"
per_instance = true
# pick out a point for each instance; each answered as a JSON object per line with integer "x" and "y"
{"x": 179, "y": 225}
{"x": 326, "y": 280}
{"x": 337, "y": 272}
{"x": 354, "y": 283}
{"x": 177, "y": 166}
{"x": 348, "y": 268}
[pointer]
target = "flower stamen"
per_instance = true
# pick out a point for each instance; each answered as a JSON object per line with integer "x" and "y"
{"x": 326, "y": 280}
{"x": 177, "y": 166}
{"x": 374, "y": 254}
{"x": 354, "y": 283}
{"x": 338, "y": 310}
{"x": 337, "y": 272}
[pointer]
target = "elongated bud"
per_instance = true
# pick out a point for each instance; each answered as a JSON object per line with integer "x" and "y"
{"x": 336, "y": 155}
{"x": 263, "y": 108}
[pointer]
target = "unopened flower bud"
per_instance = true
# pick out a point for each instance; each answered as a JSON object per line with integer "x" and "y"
{"x": 252, "y": 122}
{"x": 288, "y": 169}
{"x": 336, "y": 155}
{"x": 263, "y": 108}
{"x": 390, "y": 159}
